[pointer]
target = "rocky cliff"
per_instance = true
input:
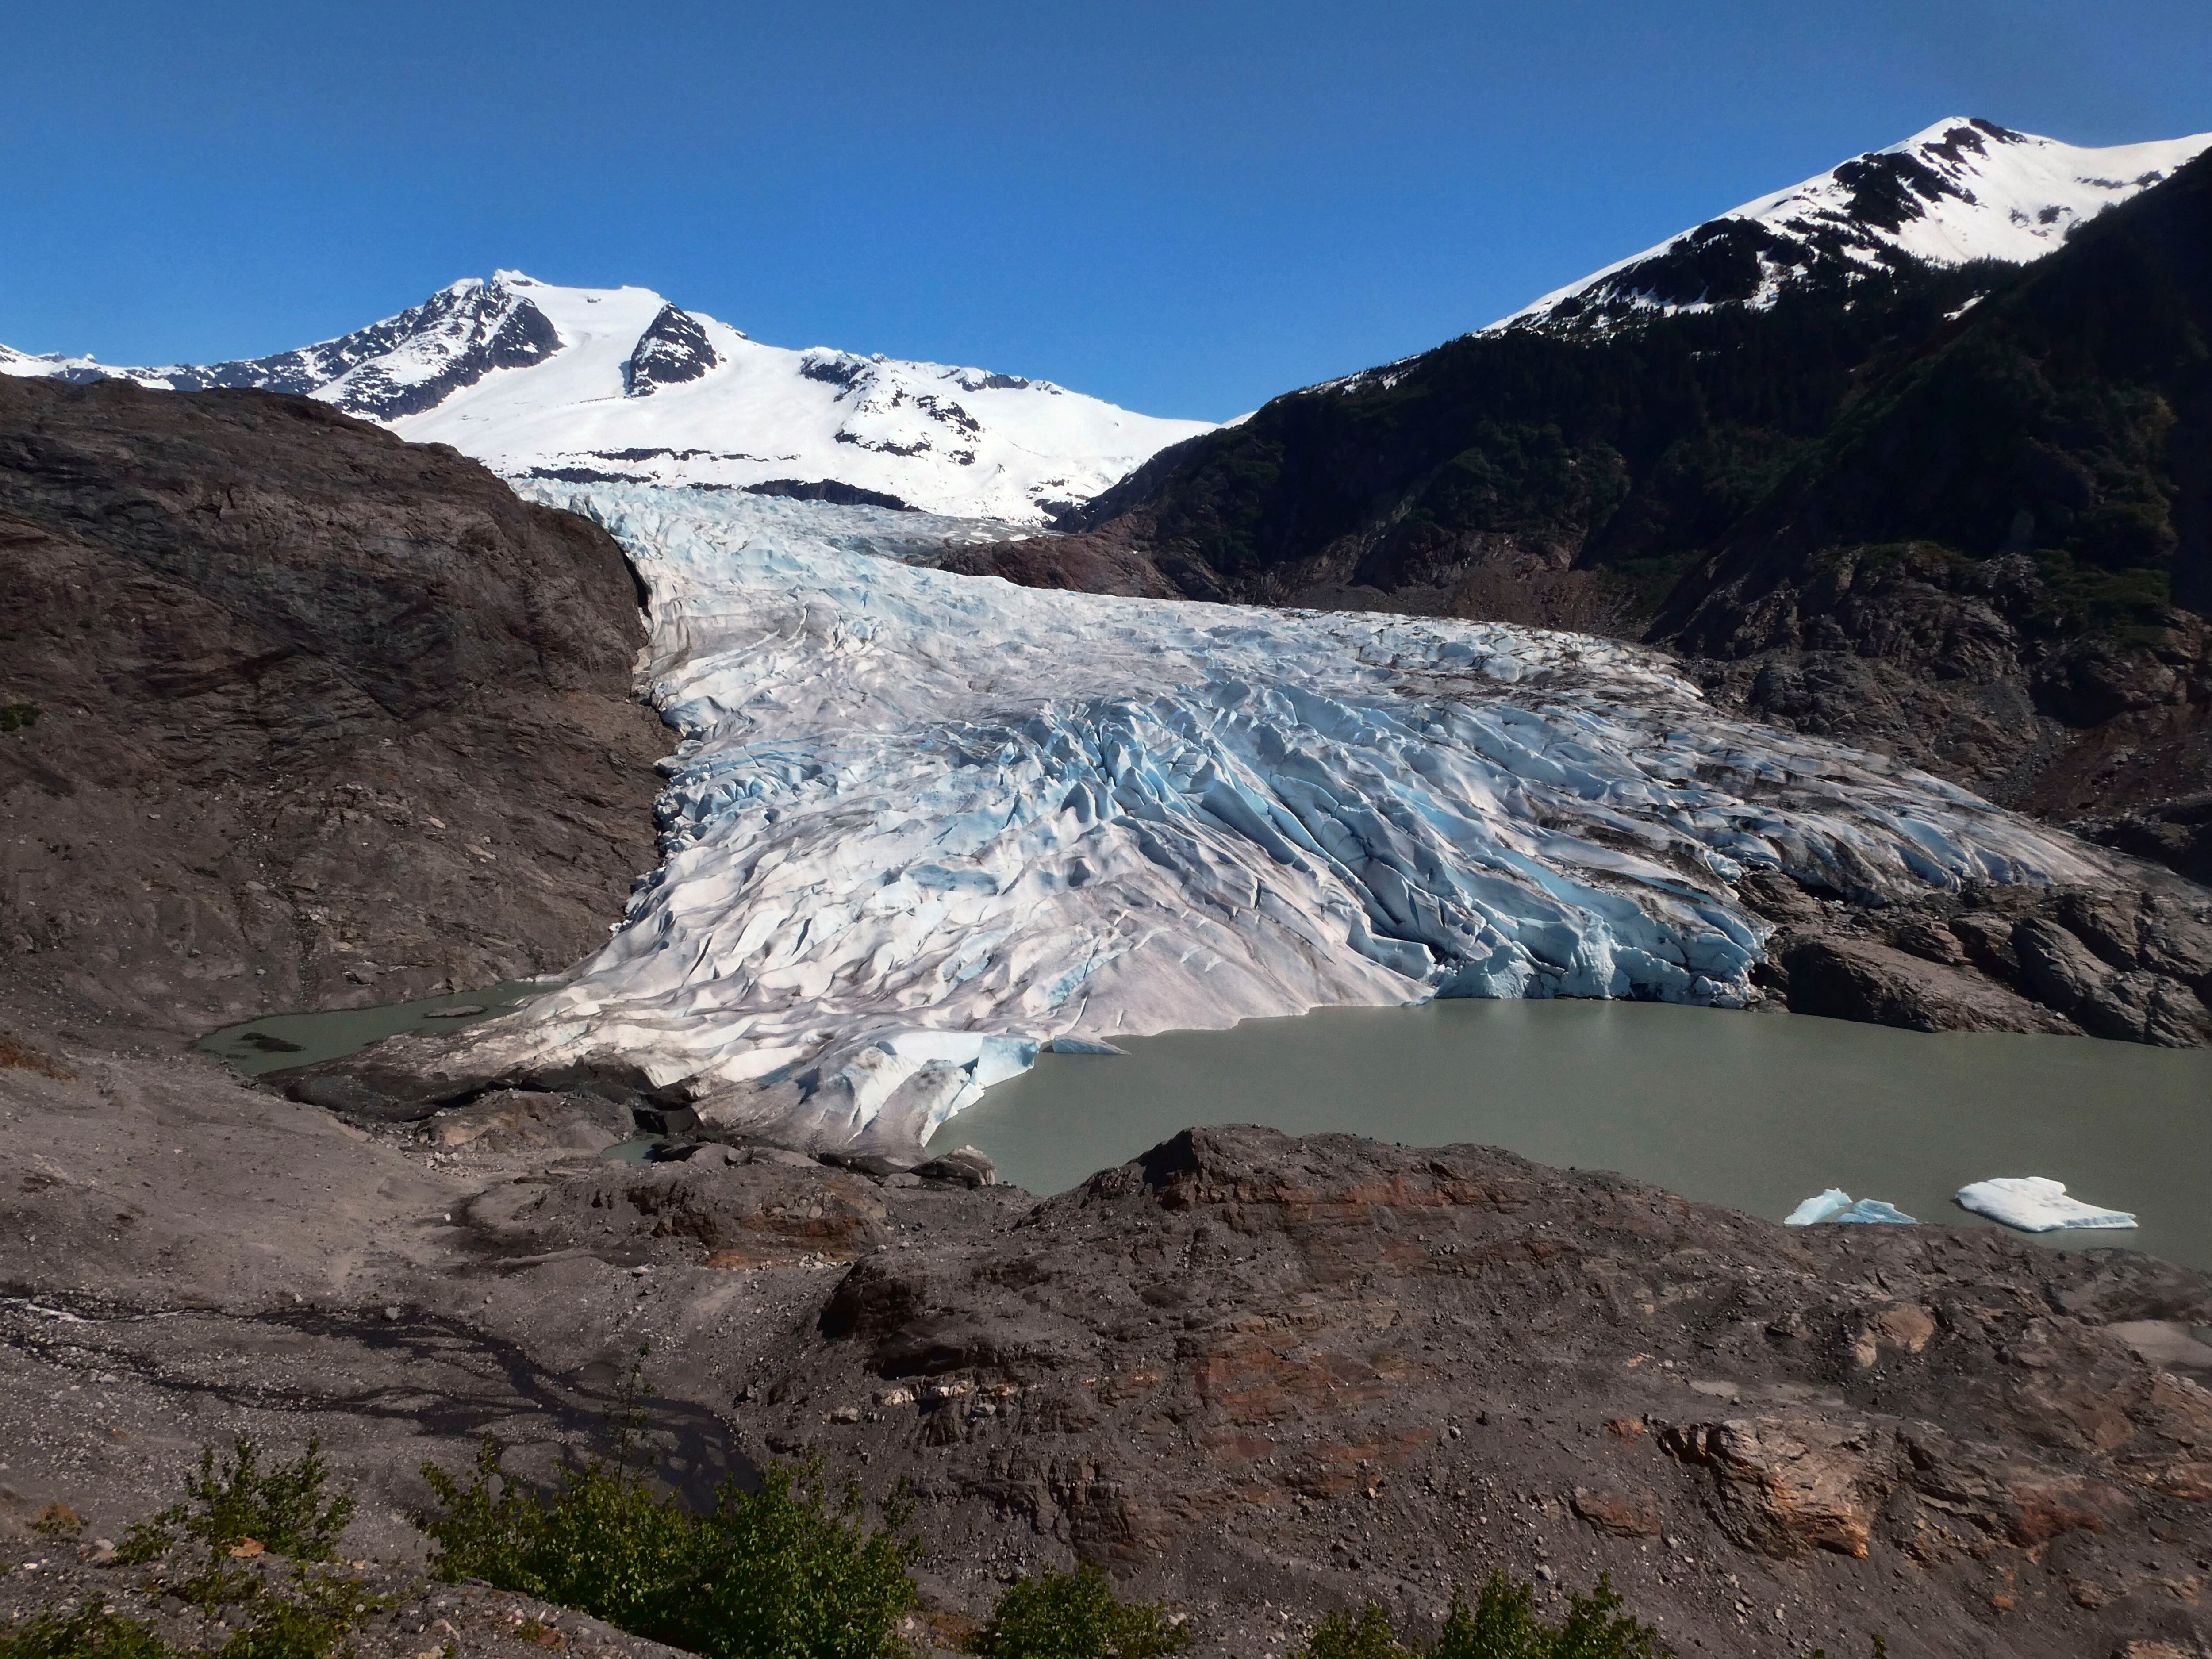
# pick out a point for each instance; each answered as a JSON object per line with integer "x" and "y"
{"x": 298, "y": 714}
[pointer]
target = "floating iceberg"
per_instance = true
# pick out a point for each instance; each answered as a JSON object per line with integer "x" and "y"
{"x": 920, "y": 824}
{"x": 1836, "y": 1205}
{"x": 2035, "y": 1204}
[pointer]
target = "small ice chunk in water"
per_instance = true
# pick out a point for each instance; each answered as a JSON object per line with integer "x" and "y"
{"x": 1873, "y": 1210}
{"x": 2036, "y": 1204}
{"x": 1823, "y": 1207}
{"x": 1838, "y": 1205}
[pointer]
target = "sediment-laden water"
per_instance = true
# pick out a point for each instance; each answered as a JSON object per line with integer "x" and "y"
{"x": 276, "y": 1041}
{"x": 1756, "y": 1111}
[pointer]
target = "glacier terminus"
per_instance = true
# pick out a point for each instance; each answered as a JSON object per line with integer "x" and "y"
{"x": 920, "y": 824}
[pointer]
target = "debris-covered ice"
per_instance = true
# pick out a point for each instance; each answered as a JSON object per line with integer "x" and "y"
{"x": 1835, "y": 1204}
{"x": 920, "y": 824}
{"x": 2036, "y": 1204}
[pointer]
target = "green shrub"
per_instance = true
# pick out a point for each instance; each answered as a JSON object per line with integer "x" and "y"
{"x": 1076, "y": 1616}
{"x": 90, "y": 1633}
{"x": 234, "y": 1514}
{"x": 605, "y": 1542}
{"x": 1339, "y": 1635}
{"x": 281, "y": 1508}
{"x": 1503, "y": 1624}
{"x": 310, "y": 1624}
{"x": 57, "y": 1521}
{"x": 16, "y": 716}
{"x": 784, "y": 1570}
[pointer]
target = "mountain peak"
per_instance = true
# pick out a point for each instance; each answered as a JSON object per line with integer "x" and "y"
{"x": 622, "y": 385}
{"x": 1962, "y": 189}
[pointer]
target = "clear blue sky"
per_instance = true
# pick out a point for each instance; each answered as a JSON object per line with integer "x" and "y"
{"x": 1183, "y": 207}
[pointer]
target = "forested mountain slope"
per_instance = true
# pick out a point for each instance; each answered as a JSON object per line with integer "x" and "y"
{"x": 1957, "y": 512}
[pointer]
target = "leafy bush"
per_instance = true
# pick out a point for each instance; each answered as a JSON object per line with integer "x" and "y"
{"x": 1076, "y": 1616}
{"x": 90, "y": 1633}
{"x": 310, "y": 1624}
{"x": 281, "y": 1509}
{"x": 781, "y": 1571}
{"x": 57, "y": 1521}
{"x": 605, "y": 1542}
{"x": 234, "y": 1514}
{"x": 17, "y": 716}
{"x": 1503, "y": 1624}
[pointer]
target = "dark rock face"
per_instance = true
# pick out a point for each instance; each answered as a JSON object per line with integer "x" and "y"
{"x": 2175, "y": 833}
{"x": 1256, "y": 1373}
{"x": 2134, "y": 965}
{"x": 834, "y": 491}
{"x": 468, "y": 330}
{"x": 673, "y": 349}
{"x": 514, "y": 336}
{"x": 323, "y": 718}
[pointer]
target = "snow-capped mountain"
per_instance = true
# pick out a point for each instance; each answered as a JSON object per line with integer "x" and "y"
{"x": 619, "y": 386}
{"x": 1962, "y": 190}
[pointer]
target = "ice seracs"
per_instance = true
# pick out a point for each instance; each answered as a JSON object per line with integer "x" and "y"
{"x": 1962, "y": 190}
{"x": 921, "y": 824}
{"x": 619, "y": 385}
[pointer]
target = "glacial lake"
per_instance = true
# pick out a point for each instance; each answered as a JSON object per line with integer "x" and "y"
{"x": 1754, "y": 1110}
{"x": 277, "y": 1041}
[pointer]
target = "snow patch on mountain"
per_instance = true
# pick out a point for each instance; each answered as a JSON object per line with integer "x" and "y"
{"x": 920, "y": 822}
{"x": 619, "y": 386}
{"x": 1963, "y": 190}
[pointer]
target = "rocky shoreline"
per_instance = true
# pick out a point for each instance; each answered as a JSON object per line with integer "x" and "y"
{"x": 1263, "y": 1378}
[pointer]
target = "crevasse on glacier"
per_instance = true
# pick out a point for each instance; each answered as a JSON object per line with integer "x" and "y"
{"x": 919, "y": 822}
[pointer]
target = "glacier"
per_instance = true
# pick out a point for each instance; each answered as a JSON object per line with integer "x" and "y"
{"x": 920, "y": 824}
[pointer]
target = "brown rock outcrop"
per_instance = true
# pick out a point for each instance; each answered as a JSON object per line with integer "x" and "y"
{"x": 2132, "y": 964}
{"x": 303, "y": 715}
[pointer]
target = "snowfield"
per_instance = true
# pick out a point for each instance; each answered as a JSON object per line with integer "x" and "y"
{"x": 939, "y": 438}
{"x": 1958, "y": 191}
{"x": 920, "y": 824}
{"x": 578, "y": 384}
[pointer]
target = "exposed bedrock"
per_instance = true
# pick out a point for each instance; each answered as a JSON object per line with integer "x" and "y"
{"x": 301, "y": 714}
{"x": 1257, "y": 1373}
{"x": 1263, "y": 1377}
{"x": 2130, "y": 963}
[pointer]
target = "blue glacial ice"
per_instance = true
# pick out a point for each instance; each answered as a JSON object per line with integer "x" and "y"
{"x": 1835, "y": 1204}
{"x": 920, "y": 824}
